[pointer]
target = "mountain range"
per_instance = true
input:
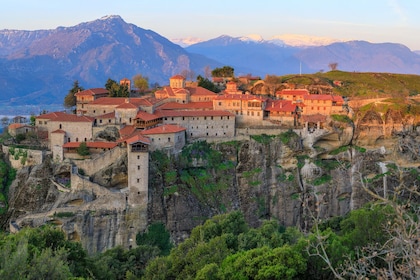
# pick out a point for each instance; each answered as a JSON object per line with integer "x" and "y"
{"x": 39, "y": 67}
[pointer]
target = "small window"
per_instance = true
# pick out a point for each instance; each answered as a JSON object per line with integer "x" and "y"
{"x": 138, "y": 167}
{"x": 138, "y": 180}
{"x": 138, "y": 157}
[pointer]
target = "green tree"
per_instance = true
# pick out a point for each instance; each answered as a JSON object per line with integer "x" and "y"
{"x": 115, "y": 89}
{"x": 32, "y": 120}
{"x": 141, "y": 82}
{"x": 41, "y": 253}
{"x": 225, "y": 71}
{"x": 207, "y": 84}
{"x": 264, "y": 263}
{"x": 70, "y": 99}
{"x": 156, "y": 235}
{"x": 83, "y": 149}
{"x": 117, "y": 262}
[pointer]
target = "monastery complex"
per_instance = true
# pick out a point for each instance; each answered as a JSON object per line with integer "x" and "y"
{"x": 178, "y": 114}
{"x": 111, "y": 127}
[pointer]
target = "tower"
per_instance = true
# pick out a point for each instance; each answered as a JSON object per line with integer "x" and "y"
{"x": 138, "y": 171}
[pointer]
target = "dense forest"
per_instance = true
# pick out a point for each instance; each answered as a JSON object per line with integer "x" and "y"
{"x": 368, "y": 243}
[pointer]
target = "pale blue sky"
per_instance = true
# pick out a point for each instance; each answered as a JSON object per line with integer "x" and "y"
{"x": 378, "y": 21}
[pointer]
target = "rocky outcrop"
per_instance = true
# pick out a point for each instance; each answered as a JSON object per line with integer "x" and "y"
{"x": 266, "y": 178}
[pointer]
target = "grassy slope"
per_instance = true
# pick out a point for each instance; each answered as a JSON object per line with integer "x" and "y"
{"x": 366, "y": 85}
{"x": 398, "y": 88}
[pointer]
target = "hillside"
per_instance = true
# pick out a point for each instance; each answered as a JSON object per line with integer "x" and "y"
{"x": 39, "y": 67}
{"x": 361, "y": 85}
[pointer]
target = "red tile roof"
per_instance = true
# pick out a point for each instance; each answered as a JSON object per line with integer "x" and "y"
{"x": 72, "y": 118}
{"x": 164, "y": 129}
{"x": 127, "y": 131}
{"x": 102, "y": 145}
{"x": 247, "y": 97}
{"x": 167, "y": 91}
{"x": 49, "y": 116}
{"x": 314, "y": 118}
{"x": 106, "y": 116}
{"x": 200, "y": 91}
{"x": 16, "y": 125}
{"x": 146, "y": 116}
{"x": 178, "y": 77}
{"x": 208, "y": 113}
{"x": 138, "y": 138}
{"x": 92, "y": 92}
{"x": 207, "y": 105}
{"x": 280, "y": 106}
{"x": 59, "y": 131}
{"x": 127, "y": 105}
{"x": 293, "y": 92}
{"x": 115, "y": 101}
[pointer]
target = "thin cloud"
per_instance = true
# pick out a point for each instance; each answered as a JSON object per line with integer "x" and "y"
{"x": 398, "y": 10}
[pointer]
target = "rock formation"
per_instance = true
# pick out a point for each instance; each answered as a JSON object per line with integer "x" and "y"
{"x": 272, "y": 179}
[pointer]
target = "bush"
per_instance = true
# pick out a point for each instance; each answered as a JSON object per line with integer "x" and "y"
{"x": 83, "y": 150}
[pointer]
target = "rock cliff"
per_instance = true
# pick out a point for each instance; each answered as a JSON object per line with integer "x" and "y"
{"x": 278, "y": 176}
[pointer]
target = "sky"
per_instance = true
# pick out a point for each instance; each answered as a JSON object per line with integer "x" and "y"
{"x": 376, "y": 21}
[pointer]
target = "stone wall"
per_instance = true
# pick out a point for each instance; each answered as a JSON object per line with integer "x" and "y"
{"x": 33, "y": 157}
{"x": 217, "y": 126}
{"x": 91, "y": 166}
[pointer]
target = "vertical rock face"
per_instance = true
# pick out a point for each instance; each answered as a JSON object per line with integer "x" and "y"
{"x": 266, "y": 179}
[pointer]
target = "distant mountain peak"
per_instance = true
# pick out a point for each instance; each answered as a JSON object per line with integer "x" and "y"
{"x": 252, "y": 38}
{"x": 185, "y": 42}
{"x": 110, "y": 17}
{"x": 299, "y": 40}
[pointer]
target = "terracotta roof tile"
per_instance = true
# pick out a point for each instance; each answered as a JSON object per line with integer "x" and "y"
{"x": 127, "y": 105}
{"x": 280, "y": 106}
{"x": 314, "y": 118}
{"x": 127, "y": 131}
{"x": 164, "y": 129}
{"x": 206, "y": 113}
{"x": 146, "y": 116}
{"x": 59, "y": 131}
{"x": 208, "y": 105}
{"x": 247, "y": 97}
{"x": 199, "y": 91}
{"x": 178, "y": 77}
{"x": 51, "y": 115}
{"x": 72, "y": 118}
{"x": 106, "y": 116}
{"x": 138, "y": 138}
{"x": 115, "y": 101}
{"x": 293, "y": 92}
{"x": 92, "y": 92}
{"x": 15, "y": 125}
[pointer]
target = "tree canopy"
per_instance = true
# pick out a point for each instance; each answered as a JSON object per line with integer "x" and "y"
{"x": 116, "y": 90}
{"x": 70, "y": 99}
{"x": 225, "y": 71}
{"x": 141, "y": 82}
{"x": 207, "y": 84}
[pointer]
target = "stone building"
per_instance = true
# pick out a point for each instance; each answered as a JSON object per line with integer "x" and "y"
{"x": 86, "y": 96}
{"x": 201, "y": 124}
{"x": 167, "y": 137}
